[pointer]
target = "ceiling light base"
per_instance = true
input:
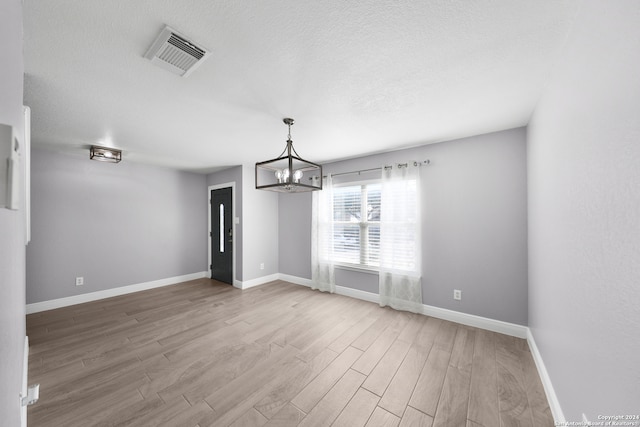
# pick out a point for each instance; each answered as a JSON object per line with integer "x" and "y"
{"x": 105, "y": 154}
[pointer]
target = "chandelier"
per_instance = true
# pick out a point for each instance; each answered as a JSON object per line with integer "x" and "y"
{"x": 288, "y": 173}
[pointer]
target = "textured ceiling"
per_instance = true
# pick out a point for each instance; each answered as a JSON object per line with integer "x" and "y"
{"x": 358, "y": 76}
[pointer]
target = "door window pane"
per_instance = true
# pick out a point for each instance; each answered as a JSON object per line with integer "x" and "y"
{"x": 221, "y": 227}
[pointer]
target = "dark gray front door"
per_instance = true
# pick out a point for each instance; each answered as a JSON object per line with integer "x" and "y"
{"x": 221, "y": 235}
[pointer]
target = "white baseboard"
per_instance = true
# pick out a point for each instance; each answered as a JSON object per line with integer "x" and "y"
{"x": 340, "y": 290}
{"x": 356, "y": 293}
{"x": 493, "y": 325}
{"x": 108, "y": 293}
{"x": 295, "y": 280}
{"x": 554, "y": 404}
{"x": 499, "y": 326}
{"x": 256, "y": 282}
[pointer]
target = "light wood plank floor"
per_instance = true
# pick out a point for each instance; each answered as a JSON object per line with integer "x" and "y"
{"x": 202, "y": 353}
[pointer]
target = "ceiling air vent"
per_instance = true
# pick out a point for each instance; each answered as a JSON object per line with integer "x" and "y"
{"x": 174, "y": 52}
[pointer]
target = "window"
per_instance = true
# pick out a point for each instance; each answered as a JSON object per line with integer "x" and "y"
{"x": 372, "y": 225}
{"x": 356, "y": 225}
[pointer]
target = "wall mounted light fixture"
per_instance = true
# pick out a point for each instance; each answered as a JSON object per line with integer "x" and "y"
{"x": 288, "y": 173}
{"x": 105, "y": 154}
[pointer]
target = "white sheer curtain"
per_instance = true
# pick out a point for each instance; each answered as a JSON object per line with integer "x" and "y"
{"x": 322, "y": 269}
{"x": 400, "y": 239}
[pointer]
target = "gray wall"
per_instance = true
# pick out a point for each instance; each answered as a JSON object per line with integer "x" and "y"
{"x": 12, "y": 231}
{"x": 584, "y": 215}
{"x": 260, "y": 228}
{"x": 294, "y": 234}
{"x": 474, "y": 230}
{"x": 233, "y": 174}
{"x": 113, "y": 224}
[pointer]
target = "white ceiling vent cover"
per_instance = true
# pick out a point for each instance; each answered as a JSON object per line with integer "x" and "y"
{"x": 174, "y": 52}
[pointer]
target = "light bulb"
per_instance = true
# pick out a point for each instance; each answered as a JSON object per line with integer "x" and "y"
{"x": 279, "y": 176}
{"x": 297, "y": 175}
{"x": 108, "y": 154}
{"x": 285, "y": 174}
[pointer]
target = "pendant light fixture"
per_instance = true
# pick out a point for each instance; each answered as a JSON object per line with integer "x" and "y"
{"x": 288, "y": 173}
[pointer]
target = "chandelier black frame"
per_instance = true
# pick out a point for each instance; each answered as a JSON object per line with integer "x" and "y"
{"x": 288, "y": 173}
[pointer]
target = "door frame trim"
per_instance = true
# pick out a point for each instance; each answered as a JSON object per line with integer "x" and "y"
{"x": 231, "y": 185}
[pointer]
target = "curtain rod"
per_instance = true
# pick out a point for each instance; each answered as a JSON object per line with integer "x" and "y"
{"x": 424, "y": 162}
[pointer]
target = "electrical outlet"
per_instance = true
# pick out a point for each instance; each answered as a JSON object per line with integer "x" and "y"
{"x": 457, "y": 294}
{"x": 79, "y": 281}
{"x": 262, "y": 266}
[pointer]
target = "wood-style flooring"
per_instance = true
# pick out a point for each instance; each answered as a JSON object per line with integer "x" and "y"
{"x": 202, "y": 353}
